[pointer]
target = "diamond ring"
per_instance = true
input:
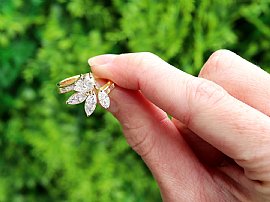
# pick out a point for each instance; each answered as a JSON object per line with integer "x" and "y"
{"x": 86, "y": 89}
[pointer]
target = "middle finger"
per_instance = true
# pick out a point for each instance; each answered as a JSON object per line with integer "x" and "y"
{"x": 242, "y": 79}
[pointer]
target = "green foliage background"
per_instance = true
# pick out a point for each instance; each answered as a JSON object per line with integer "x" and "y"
{"x": 51, "y": 151}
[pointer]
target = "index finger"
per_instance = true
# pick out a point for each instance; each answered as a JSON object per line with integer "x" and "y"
{"x": 230, "y": 125}
{"x": 158, "y": 81}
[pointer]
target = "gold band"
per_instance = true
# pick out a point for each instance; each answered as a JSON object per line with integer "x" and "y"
{"x": 68, "y": 81}
{"x": 107, "y": 87}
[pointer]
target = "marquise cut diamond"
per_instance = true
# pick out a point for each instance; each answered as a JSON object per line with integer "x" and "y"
{"x": 84, "y": 84}
{"x": 76, "y": 98}
{"x": 90, "y": 104}
{"x": 104, "y": 99}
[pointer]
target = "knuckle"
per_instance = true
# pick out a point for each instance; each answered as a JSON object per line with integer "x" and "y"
{"x": 148, "y": 64}
{"x": 201, "y": 93}
{"x": 205, "y": 91}
{"x": 139, "y": 139}
{"x": 252, "y": 174}
{"x": 254, "y": 158}
{"x": 263, "y": 188}
{"x": 254, "y": 154}
{"x": 218, "y": 63}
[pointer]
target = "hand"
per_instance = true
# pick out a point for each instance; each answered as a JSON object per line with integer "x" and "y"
{"x": 217, "y": 146}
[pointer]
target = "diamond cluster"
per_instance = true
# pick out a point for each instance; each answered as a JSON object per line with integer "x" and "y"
{"x": 85, "y": 91}
{"x": 84, "y": 84}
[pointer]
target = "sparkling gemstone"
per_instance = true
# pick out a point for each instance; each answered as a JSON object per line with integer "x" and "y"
{"x": 76, "y": 98}
{"x": 84, "y": 84}
{"x": 90, "y": 103}
{"x": 104, "y": 99}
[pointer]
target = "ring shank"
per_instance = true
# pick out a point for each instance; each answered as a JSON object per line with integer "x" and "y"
{"x": 68, "y": 81}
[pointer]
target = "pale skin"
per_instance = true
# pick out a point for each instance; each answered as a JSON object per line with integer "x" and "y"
{"x": 217, "y": 146}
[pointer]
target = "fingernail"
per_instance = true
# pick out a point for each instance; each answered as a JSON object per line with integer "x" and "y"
{"x": 101, "y": 59}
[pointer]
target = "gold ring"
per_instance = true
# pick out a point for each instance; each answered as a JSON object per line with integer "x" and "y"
{"x": 86, "y": 89}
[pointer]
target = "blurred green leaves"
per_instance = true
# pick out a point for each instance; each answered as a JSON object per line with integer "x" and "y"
{"x": 51, "y": 151}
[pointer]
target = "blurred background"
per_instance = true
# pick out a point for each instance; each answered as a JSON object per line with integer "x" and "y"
{"x": 50, "y": 151}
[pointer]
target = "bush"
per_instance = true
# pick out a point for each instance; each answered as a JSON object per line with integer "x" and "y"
{"x": 50, "y": 151}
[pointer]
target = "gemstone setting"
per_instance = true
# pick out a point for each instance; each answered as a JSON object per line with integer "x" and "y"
{"x": 104, "y": 99}
{"x": 90, "y": 104}
{"x": 86, "y": 89}
{"x": 76, "y": 98}
{"x": 85, "y": 83}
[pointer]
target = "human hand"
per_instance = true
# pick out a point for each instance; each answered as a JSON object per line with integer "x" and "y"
{"x": 217, "y": 146}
